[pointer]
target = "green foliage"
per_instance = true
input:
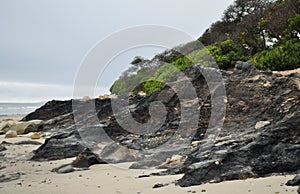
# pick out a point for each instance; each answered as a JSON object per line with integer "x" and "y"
{"x": 182, "y": 63}
{"x": 286, "y": 53}
{"x": 293, "y": 29}
{"x": 164, "y": 74}
{"x": 150, "y": 79}
{"x": 202, "y": 56}
{"x": 118, "y": 87}
{"x": 130, "y": 83}
{"x": 283, "y": 57}
{"x": 225, "y": 54}
{"x": 244, "y": 33}
{"x": 152, "y": 85}
{"x": 254, "y": 24}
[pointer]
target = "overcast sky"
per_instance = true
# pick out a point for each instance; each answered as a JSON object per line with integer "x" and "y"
{"x": 42, "y": 43}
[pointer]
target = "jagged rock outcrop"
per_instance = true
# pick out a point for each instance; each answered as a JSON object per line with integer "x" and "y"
{"x": 60, "y": 146}
{"x": 50, "y": 110}
{"x": 260, "y": 135}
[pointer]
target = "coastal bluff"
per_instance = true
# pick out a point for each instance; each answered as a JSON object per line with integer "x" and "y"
{"x": 260, "y": 136}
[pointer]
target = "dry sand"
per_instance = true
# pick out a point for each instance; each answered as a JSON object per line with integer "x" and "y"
{"x": 11, "y": 117}
{"x": 108, "y": 179}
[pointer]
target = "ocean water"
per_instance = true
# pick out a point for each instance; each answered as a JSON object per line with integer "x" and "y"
{"x": 18, "y": 108}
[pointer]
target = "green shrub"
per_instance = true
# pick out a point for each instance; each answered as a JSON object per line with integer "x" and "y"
{"x": 203, "y": 56}
{"x": 152, "y": 85}
{"x": 164, "y": 74}
{"x": 283, "y": 57}
{"x": 182, "y": 63}
{"x": 226, "y": 54}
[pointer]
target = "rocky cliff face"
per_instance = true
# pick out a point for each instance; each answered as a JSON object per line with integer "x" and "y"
{"x": 260, "y": 134}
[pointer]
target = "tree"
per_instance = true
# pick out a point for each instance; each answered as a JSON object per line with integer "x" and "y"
{"x": 241, "y": 8}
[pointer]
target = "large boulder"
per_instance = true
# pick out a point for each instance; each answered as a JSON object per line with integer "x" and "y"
{"x": 24, "y": 127}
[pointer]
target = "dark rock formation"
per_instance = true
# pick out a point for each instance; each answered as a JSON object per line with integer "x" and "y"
{"x": 50, "y": 110}
{"x": 63, "y": 145}
{"x": 255, "y": 154}
{"x": 294, "y": 182}
{"x": 260, "y": 135}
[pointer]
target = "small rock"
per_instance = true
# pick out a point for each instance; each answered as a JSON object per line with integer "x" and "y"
{"x": 157, "y": 186}
{"x": 2, "y": 148}
{"x": 244, "y": 67}
{"x": 144, "y": 176}
{"x": 36, "y": 135}
{"x": 11, "y": 134}
{"x": 66, "y": 168}
{"x": 262, "y": 124}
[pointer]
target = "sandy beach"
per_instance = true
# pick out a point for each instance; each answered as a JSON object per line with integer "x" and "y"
{"x": 11, "y": 117}
{"x": 36, "y": 177}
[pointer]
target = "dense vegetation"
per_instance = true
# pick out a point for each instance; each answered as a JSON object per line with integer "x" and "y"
{"x": 266, "y": 32}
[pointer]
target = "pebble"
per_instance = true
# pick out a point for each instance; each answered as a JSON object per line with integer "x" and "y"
{"x": 157, "y": 186}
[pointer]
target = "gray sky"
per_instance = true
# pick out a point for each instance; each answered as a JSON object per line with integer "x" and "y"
{"x": 42, "y": 43}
